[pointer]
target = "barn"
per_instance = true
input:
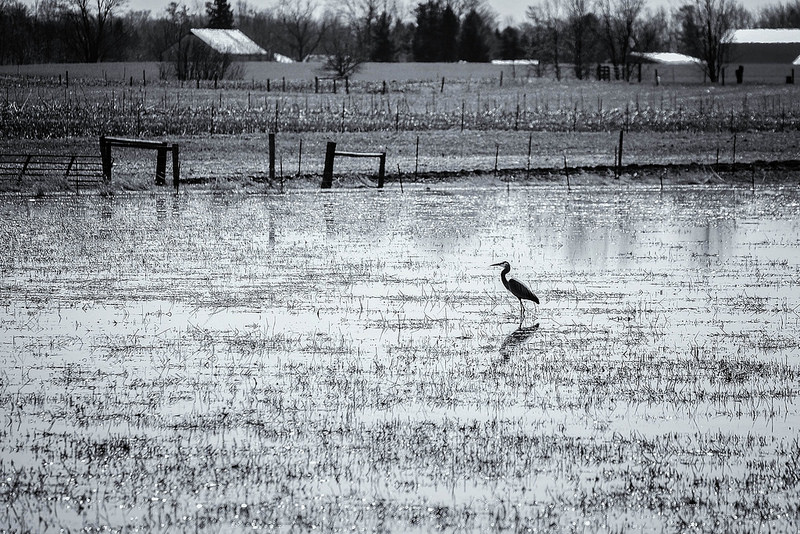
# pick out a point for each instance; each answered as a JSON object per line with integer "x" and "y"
{"x": 230, "y": 42}
{"x": 762, "y": 46}
{"x": 763, "y": 55}
{"x": 668, "y": 67}
{"x": 206, "y": 54}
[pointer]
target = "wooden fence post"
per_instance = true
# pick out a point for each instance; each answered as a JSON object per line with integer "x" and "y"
{"x": 271, "y": 156}
{"x": 176, "y": 167}
{"x": 327, "y": 172}
{"x": 161, "y": 164}
{"x": 528, "y": 167}
{"x": 299, "y": 157}
{"x": 416, "y": 159}
{"x": 381, "y": 170}
{"x": 105, "y": 155}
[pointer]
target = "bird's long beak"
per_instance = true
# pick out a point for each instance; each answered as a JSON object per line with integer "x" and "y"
{"x": 496, "y": 264}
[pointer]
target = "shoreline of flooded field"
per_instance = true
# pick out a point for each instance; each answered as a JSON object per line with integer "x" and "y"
{"x": 348, "y": 358}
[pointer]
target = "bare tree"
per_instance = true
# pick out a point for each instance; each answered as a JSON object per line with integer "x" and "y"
{"x": 15, "y": 32}
{"x": 620, "y": 19}
{"x": 655, "y": 32}
{"x": 361, "y": 16}
{"x": 345, "y": 54}
{"x": 704, "y": 24}
{"x": 463, "y": 7}
{"x": 580, "y": 28}
{"x": 262, "y": 26}
{"x": 174, "y": 29}
{"x": 303, "y": 31}
{"x": 780, "y": 15}
{"x": 92, "y": 25}
{"x": 549, "y": 15}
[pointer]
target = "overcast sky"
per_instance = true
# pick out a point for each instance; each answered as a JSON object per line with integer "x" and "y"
{"x": 507, "y": 10}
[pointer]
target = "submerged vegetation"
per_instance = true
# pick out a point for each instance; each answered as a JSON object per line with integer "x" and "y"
{"x": 349, "y": 360}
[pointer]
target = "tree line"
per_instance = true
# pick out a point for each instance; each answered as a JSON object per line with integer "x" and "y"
{"x": 573, "y": 34}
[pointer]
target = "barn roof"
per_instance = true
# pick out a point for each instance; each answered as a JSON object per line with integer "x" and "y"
{"x": 666, "y": 58}
{"x": 763, "y": 35}
{"x": 229, "y": 41}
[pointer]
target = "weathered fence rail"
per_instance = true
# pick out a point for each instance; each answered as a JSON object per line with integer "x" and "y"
{"x": 330, "y": 156}
{"x": 162, "y": 147}
{"x": 80, "y": 169}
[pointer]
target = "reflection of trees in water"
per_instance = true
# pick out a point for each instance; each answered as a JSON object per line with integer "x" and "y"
{"x": 161, "y": 209}
{"x": 107, "y": 208}
{"x": 717, "y": 240}
{"x": 628, "y": 228}
{"x": 330, "y": 220}
{"x": 271, "y": 228}
{"x": 368, "y": 215}
{"x": 596, "y": 241}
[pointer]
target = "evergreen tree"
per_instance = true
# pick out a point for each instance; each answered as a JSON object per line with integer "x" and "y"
{"x": 510, "y": 44}
{"x": 436, "y": 35}
{"x": 424, "y": 45}
{"x": 220, "y": 15}
{"x": 383, "y": 48}
{"x": 449, "y": 34}
{"x": 473, "y": 43}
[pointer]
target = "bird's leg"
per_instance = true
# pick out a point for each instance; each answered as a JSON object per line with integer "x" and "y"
{"x": 521, "y": 313}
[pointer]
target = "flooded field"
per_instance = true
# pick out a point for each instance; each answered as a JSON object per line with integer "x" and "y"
{"x": 349, "y": 360}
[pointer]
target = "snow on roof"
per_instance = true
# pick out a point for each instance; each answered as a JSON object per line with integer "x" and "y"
{"x": 770, "y": 36}
{"x": 228, "y": 41}
{"x": 667, "y": 58}
{"x": 280, "y": 58}
{"x": 523, "y": 62}
{"x": 796, "y": 61}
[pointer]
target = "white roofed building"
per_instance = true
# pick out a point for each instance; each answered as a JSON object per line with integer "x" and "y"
{"x": 209, "y": 53}
{"x": 762, "y": 46}
{"x": 231, "y": 42}
{"x": 664, "y": 58}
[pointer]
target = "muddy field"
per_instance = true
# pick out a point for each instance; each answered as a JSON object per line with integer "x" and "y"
{"x": 348, "y": 359}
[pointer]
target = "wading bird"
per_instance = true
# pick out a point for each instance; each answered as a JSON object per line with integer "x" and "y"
{"x": 517, "y": 288}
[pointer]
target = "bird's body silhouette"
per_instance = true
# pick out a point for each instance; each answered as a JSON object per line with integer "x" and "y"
{"x": 517, "y": 288}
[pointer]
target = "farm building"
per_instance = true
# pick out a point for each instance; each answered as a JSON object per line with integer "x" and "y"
{"x": 762, "y": 46}
{"x": 667, "y": 66}
{"x": 207, "y": 53}
{"x": 763, "y": 55}
{"x": 231, "y": 42}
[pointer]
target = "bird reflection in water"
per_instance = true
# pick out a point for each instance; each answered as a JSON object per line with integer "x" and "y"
{"x": 516, "y": 338}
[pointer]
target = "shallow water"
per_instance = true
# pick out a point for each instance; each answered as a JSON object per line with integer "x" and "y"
{"x": 311, "y": 354}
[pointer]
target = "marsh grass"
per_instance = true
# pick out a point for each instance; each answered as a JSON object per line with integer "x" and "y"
{"x": 33, "y": 108}
{"x": 349, "y": 360}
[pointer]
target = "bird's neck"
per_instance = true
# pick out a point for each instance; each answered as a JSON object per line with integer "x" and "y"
{"x": 503, "y": 274}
